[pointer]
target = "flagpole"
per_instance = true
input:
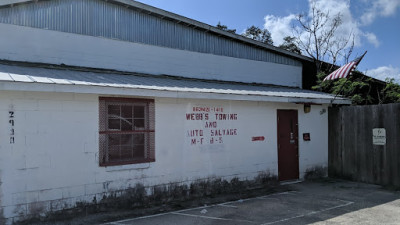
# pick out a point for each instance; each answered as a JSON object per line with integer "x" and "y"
{"x": 344, "y": 74}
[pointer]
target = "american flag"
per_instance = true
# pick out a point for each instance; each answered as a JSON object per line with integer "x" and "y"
{"x": 345, "y": 70}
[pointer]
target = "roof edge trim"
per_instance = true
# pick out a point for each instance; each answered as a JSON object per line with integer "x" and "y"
{"x": 143, "y": 92}
{"x": 121, "y": 72}
{"x": 11, "y": 2}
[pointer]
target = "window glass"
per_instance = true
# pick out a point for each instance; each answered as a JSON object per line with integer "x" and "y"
{"x": 139, "y": 111}
{"x": 124, "y": 138}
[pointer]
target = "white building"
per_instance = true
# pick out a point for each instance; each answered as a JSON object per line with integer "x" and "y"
{"x": 97, "y": 96}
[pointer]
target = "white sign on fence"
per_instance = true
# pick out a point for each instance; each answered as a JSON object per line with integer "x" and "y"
{"x": 379, "y": 136}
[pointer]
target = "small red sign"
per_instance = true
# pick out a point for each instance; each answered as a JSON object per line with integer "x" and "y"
{"x": 261, "y": 138}
{"x": 306, "y": 137}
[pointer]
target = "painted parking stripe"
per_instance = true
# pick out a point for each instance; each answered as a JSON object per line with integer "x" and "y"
{"x": 137, "y": 218}
{"x": 280, "y": 193}
{"x": 228, "y": 204}
{"x": 311, "y": 213}
{"x": 213, "y": 218}
{"x": 225, "y": 204}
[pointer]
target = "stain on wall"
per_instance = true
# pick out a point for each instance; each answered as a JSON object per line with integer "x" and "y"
{"x": 2, "y": 218}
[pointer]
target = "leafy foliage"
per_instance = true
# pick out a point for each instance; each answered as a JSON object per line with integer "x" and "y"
{"x": 356, "y": 89}
{"x": 258, "y": 34}
{"x": 290, "y": 45}
{"x": 225, "y": 28}
{"x": 391, "y": 93}
{"x": 360, "y": 89}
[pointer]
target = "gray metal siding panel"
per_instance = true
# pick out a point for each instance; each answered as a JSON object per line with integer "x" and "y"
{"x": 102, "y": 19}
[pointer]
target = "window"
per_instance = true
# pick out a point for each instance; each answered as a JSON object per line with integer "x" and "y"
{"x": 126, "y": 133}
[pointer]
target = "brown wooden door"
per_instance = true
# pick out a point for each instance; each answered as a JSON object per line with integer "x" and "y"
{"x": 288, "y": 150}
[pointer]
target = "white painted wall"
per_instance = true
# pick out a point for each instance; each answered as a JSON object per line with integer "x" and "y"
{"x": 54, "y": 161}
{"x": 35, "y": 45}
{"x": 315, "y": 152}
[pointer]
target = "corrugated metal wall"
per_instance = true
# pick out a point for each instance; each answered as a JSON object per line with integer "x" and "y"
{"x": 102, "y": 19}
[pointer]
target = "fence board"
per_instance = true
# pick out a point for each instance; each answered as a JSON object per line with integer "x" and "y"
{"x": 353, "y": 155}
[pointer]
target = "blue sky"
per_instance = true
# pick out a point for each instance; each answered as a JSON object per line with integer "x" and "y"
{"x": 375, "y": 23}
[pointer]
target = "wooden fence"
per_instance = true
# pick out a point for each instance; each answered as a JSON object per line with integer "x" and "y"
{"x": 353, "y": 151}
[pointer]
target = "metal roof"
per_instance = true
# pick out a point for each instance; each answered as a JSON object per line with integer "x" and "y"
{"x": 75, "y": 80}
{"x": 135, "y": 5}
{"x": 101, "y": 19}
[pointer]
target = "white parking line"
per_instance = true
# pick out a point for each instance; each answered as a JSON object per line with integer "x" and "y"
{"x": 311, "y": 213}
{"x": 201, "y": 207}
{"x": 281, "y": 193}
{"x": 213, "y": 218}
{"x": 225, "y": 204}
{"x": 137, "y": 218}
{"x": 290, "y": 182}
{"x": 228, "y": 204}
{"x": 198, "y": 216}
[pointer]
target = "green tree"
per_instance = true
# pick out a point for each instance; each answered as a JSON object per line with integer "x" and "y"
{"x": 225, "y": 28}
{"x": 362, "y": 90}
{"x": 358, "y": 89}
{"x": 258, "y": 34}
{"x": 315, "y": 34}
{"x": 290, "y": 45}
{"x": 391, "y": 93}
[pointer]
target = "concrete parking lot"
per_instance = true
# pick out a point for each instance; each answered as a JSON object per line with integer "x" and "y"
{"x": 325, "y": 202}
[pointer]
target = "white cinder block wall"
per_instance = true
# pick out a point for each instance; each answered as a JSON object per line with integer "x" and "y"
{"x": 54, "y": 161}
